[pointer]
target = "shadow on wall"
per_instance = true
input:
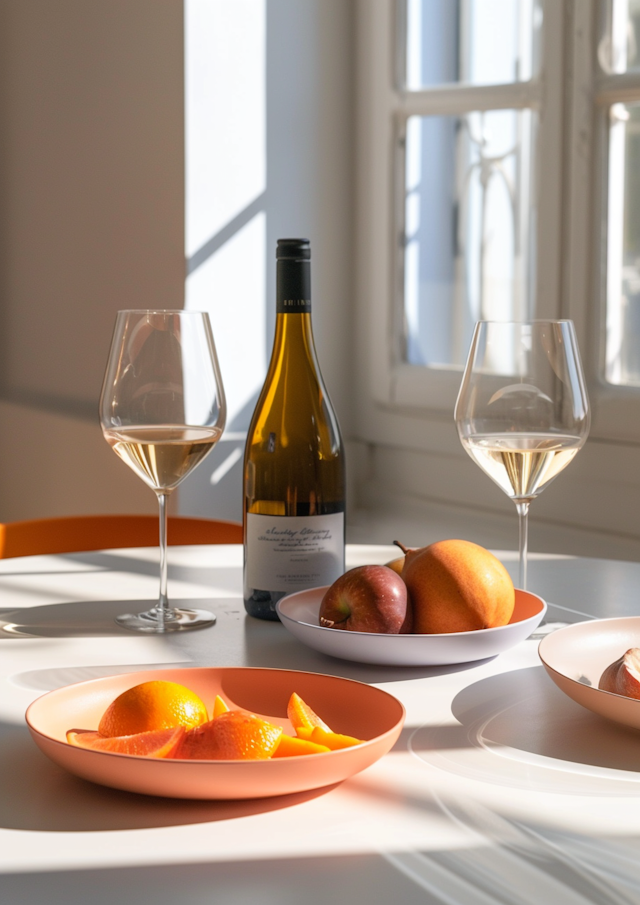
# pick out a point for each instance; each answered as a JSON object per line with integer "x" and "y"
{"x": 214, "y": 489}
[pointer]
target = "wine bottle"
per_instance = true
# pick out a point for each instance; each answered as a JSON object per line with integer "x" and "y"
{"x": 294, "y": 481}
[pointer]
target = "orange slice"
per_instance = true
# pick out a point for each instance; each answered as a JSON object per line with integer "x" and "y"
{"x": 219, "y": 707}
{"x": 235, "y": 735}
{"x": 333, "y": 740}
{"x": 151, "y": 706}
{"x": 301, "y": 716}
{"x": 158, "y": 743}
{"x": 288, "y": 746}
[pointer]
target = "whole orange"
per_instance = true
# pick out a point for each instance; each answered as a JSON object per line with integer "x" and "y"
{"x": 151, "y": 706}
{"x": 235, "y": 735}
{"x": 457, "y": 586}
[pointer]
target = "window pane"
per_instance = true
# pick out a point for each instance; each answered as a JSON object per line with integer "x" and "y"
{"x": 469, "y": 217}
{"x": 623, "y": 254}
{"x": 479, "y": 42}
{"x": 619, "y": 47}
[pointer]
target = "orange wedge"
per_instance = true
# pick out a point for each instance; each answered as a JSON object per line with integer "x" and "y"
{"x": 219, "y": 707}
{"x": 235, "y": 735}
{"x": 150, "y": 706}
{"x": 158, "y": 743}
{"x": 333, "y": 740}
{"x": 288, "y": 746}
{"x": 301, "y": 716}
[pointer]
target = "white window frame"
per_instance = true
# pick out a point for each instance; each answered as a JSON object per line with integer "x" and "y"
{"x": 384, "y": 110}
{"x": 615, "y": 409}
{"x": 572, "y": 98}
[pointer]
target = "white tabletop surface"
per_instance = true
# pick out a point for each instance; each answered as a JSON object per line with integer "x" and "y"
{"x": 500, "y": 789}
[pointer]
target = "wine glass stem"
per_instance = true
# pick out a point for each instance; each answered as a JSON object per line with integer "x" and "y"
{"x": 523, "y": 517}
{"x": 163, "y": 601}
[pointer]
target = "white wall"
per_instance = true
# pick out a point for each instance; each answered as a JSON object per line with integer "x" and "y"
{"x": 91, "y": 213}
{"x": 92, "y": 202}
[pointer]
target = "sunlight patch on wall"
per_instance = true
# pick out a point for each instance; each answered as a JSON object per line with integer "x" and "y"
{"x": 225, "y": 104}
{"x": 225, "y": 112}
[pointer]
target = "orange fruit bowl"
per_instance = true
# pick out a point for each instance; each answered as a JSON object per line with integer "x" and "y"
{"x": 349, "y": 707}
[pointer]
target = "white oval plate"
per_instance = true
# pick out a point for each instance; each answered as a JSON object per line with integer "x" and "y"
{"x": 299, "y": 614}
{"x": 576, "y": 656}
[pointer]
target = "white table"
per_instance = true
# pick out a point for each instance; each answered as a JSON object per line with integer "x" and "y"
{"x": 499, "y": 790}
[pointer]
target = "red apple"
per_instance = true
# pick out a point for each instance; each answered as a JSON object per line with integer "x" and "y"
{"x": 623, "y": 676}
{"x": 367, "y": 599}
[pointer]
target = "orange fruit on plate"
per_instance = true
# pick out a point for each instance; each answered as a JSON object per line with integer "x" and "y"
{"x": 152, "y": 706}
{"x": 219, "y": 707}
{"x": 289, "y": 746}
{"x": 234, "y": 735}
{"x": 301, "y": 716}
{"x": 160, "y": 743}
{"x": 457, "y": 586}
{"x": 333, "y": 740}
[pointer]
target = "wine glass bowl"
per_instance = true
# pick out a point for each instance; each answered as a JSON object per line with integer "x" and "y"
{"x": 522, "y": 412}
{"x": 162, "y": 410}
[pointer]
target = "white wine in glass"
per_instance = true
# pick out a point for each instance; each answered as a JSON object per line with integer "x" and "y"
{"x": 162, "y": 456}
{"x": 522, "y": 411}
{"x": 162, "y": 410}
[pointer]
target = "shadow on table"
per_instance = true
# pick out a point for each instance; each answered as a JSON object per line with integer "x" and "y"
{"x": 43, "y": 680}
{"x": 220, "y": 577}
{"x": 523, "y": 718}
{"x": 93, "y": 563}
{"x": 270, "y": 644}
{"x": 37, "y": 795}
{"x": 84, "y": 618}
{"x": 288, "y": 881}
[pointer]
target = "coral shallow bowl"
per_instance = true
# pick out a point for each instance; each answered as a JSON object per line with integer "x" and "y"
{"x": 299, "y": 614}
{"x": 576, "y": 656}
{"x": 347, "y": 706}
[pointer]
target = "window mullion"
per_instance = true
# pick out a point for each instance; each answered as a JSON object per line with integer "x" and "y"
{"x": 612, "y": 89}
{"x": 457, "y": 99}
{"x": 549, "y": 165}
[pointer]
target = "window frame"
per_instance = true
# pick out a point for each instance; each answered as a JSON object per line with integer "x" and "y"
{"x": 615, "y": 408}
{"x": 387, "y": 107}
{"x": 572, "y": 98}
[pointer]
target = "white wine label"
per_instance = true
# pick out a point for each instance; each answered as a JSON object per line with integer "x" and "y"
{"x": 291, "y": 553}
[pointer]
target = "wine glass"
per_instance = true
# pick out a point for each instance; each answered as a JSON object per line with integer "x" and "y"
{"x": 162, "y": 410}
{"x": 522, "y": 412}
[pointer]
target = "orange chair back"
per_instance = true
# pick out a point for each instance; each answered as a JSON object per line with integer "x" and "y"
{"x": 77, "y": 533}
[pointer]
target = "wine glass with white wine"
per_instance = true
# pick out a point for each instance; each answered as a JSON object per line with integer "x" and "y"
{"x": 162, "y": 410}
{"x": 522, "y": 411}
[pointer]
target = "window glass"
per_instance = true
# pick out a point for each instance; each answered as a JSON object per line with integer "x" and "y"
{"x": 478, "y": 42}
{"x": 619, "y": 47}
{"x": 469, "y": 218}
{"x": 623, "y": 258}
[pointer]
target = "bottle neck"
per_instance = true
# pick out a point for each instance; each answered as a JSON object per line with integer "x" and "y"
{"x": 293, "y": 336}
{"x": 293, "y": 286}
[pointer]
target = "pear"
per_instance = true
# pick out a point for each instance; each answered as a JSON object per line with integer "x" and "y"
{"x": 396, "y": 565}
{"x": 623, "y": 676}
{"x": 456, "y": 586}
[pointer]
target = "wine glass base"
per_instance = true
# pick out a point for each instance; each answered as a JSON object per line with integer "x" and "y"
{"x": 176, "y": 620}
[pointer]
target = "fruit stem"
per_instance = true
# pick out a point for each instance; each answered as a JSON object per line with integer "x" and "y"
{"x": 404, "y": 549}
